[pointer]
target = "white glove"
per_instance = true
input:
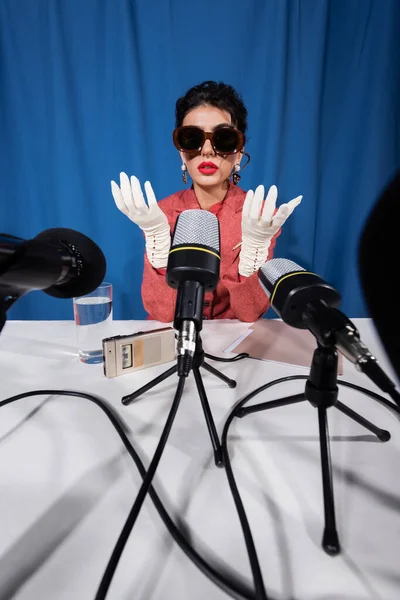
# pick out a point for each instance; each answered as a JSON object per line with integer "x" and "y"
{"x": 150, "y": 218}
{"x": 259, "y": 225}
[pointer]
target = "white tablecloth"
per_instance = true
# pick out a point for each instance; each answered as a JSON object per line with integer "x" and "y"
{"x": 67, "y": 485}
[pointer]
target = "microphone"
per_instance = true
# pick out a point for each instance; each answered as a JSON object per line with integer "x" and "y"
{"x": 192, "y": 269}
{"x": 305, "y": 301}
{"x": 62, "y": 262}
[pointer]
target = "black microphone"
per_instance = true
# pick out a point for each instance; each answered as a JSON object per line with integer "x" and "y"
{"x": 305, "y": 301}
{"x": 62, "y": 262}
{"x": 192, "y": 269}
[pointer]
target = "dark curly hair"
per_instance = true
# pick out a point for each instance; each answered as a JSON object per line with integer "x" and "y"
{"x": 212, "y": 93}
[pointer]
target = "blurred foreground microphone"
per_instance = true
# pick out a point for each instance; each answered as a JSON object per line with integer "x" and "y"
{"x": 62, "y": 262}
{"x": 193, "y": 269}
{"x": 304, "y": 300}
{"x": 378, "y": 261}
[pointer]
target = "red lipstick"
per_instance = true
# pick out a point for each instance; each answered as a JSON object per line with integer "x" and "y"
{"x": 207, "y": 168}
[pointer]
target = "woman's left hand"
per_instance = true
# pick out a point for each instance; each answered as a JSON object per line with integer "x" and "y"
{"x": 260, "y": 222}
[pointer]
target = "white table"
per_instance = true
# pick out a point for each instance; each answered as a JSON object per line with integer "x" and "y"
{"x": 67, "y": 485}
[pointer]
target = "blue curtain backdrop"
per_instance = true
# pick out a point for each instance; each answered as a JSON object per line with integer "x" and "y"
{"x": 88, "y": 89}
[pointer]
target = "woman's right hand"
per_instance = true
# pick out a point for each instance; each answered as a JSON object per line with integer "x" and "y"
{"x": 128, "y": 197}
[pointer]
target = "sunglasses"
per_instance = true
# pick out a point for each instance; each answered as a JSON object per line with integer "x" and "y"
{"x": 225, "y": 140}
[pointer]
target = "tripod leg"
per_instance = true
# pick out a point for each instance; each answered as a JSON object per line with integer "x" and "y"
{"x": 242, "y": 412}
{"x": 382, "y": 434}
{"x": 145, "y": 388}
{"x": 210, "y": 369}
{"x": 330, "y": 540}
{"x": 209, "y": 419}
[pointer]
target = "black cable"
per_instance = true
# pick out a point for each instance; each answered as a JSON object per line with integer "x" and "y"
{"x": 251, "y": 549}
{"x": 144, "y": 488}
{"x": 373, "y": 395}
{"x": 228, "y": 582}
{"x": 232, "y": 359}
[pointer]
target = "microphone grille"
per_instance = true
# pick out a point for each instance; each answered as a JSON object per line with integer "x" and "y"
{"x": 196, "y": 226}
{"x": 276, "y": 268}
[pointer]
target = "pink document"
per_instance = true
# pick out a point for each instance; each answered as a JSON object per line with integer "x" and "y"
{"x": 275, "y": 341}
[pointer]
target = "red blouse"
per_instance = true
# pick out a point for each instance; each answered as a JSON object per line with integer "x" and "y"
{"x": 235, "y": 297}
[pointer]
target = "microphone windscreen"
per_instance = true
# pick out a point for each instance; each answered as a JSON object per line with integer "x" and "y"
{"x": 91, "y": 262}
{"x": 197, "y": 227}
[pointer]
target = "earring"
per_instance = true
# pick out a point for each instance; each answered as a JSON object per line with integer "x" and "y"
{"x": 184, "y": 173}
{"x": 235, "y": 175}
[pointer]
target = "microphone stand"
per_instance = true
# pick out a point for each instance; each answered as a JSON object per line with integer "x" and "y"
{"x": 198, "y": 361}
{"x": 321, "y": 391}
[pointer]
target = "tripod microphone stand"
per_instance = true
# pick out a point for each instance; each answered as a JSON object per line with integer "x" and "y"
{"x": 321, "y": 391}
{"x": 198, "y": 361}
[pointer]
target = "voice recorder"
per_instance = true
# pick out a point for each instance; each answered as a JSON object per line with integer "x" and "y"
{"x": 127, "y": 353}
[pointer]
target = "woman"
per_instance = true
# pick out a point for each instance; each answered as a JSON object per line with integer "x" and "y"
{"x": 211, "y": 122}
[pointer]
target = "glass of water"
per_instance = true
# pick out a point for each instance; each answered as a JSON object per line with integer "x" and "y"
{"x": 93, "y": 318}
